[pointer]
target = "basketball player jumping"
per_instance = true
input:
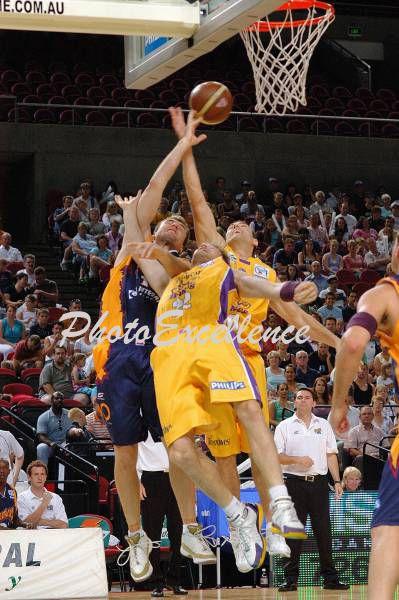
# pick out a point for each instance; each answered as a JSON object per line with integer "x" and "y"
{"x": 228, "y": 440}
{"x": 125, "y": 382}
{"x": 377, "y": 312}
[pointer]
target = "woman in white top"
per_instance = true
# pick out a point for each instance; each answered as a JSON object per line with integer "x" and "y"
{"x": 381, "y": 359}
{"x": 380, "y": 419}
{"x": 27, "y": 312}
{"x": 56, "y": 339}
{"x": 83, "y": 345}
{"x": 274, "y": 374}
{"x": 111, "y": 215}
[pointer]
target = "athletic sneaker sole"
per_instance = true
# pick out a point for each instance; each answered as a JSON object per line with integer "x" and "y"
{"x": 294, "y": 534}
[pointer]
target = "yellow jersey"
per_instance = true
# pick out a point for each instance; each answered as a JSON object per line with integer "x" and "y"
{"x": 251, "y": 312}
{"x": 392, "y": 343}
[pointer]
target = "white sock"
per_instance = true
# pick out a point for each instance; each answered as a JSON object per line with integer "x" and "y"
{"x": 278, "y": 491}
{"x": 187, "y": 525}
{"x": 130, "y": 533}
{"x": 234, "y": 509}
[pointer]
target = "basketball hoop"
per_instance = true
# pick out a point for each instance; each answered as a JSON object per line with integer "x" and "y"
{"x": 280, "y": 51}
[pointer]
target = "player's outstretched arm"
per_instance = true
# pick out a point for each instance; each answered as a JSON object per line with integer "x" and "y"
{"x": 372, "y": 308}
{"x": 204, "y": 221}
{"x": 295, "y": 316}
{"x": 151, "y": 197}
{"x": 254, "y": 287}
{"x": 173, "y": 265}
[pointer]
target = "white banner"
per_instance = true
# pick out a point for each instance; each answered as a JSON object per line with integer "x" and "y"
{"x": 52, "y": 564}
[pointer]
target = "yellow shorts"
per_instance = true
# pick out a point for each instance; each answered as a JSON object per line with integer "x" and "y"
{"x": 230, "y": 438}
{"x": 190, "y": 378}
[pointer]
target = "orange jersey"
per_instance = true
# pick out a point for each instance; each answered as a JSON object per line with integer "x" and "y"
{"x": 255, "y": 308}
{"x": 392, "y": 343}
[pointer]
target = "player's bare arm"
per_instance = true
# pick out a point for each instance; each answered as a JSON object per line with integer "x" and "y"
{"x": 378, "y": 303}
{"x": 254, "y": 287}
{"x": 151, "y": 197}
{"x": 204, "y": 221}
{"x": 173, "y": 265}
{"x": 294, "y": 315}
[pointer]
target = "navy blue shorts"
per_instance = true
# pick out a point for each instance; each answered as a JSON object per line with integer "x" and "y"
{"x": 126, "y": 395}
{"x": 386, "y": 510}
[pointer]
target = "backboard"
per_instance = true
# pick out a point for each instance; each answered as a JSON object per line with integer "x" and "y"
{"x": 120, "y": 17}
{"x": 149, "y": 59}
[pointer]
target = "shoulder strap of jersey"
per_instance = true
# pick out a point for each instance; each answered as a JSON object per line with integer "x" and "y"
{"x": 392, "y": 280}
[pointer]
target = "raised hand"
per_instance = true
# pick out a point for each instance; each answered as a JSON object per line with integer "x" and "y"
{"x": 178, "y": 122}
{"x": 338, "y": 418}
{"x": 147, "y": 250}
{"x": 127, "y": 203}
{"x": 306, "y": 292}
{"x": 186, "y": 130}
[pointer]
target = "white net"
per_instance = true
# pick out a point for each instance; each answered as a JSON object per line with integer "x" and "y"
{"x": 280, "y": 52}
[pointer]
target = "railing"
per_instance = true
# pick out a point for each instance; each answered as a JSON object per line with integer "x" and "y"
{"x": 235, "y": 115}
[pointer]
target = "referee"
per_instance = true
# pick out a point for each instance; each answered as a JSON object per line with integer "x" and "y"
{"x": 307, "y": 450}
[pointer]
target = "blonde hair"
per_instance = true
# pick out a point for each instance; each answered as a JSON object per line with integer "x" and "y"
{"x": 350, "y": 471}
{"x": 77, "y": 357}
{"x": 75, "y": 413}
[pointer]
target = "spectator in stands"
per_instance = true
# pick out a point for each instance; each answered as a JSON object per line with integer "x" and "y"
{"x": 56, "y": 339}
{"x": 353, "y": 261}
{"x": 395, "y": 214}
{"x": 363, "y": 433}
{"x": 321, "y": 360}
{"x": 297, "y": 203}
{"x": 285, "y": 358}
{"x": 320, "y": 391}
{"x": 340, "y": 296}
{"x": 17, "y": 293}
{"x": 80, "y": 380}
{"x": 114, "y": 238}
{"x": 331, "y": 324}
{"x": 39, "y": 507}
{"x": 304, "y": 374}
{"x": 385, "y": 379}
{"x": 350, "y": 220}
{"x": 293, "y": 273}
{"x": 376, "y": 221}
{"x": 317, "y": 232}
{"x": 292, "y": 385}
{"x": 111, "y": 189}
{"x": 307, "y": 256}
{"x": 363, "y": 230}
{"x": 382, "y": 359}
{"x": 386, "y": 237}
{"x": 27, "y": 311}
{"x": 42, "y": 327}
{"x": 56, "y": 377}
{"x": 61, "y": 214}
{"x": 68, "y": 230}
{"x": 341, "y": 233}
{"x": 45, "y": 290}
{"x": 317, "y": 277}
{"x": 302, "y": 221}
{"x": 82, "y": 245}
{"x": 100, "y": 256}
{"x": 52, "y": 427}
{"x": 9, "y": 518}
{"x": 332, "y": 261}
{"x": 219, "y": 190}
{"x": 258, "y": 224}
{"x": 96, "y": 227}
{"x": 274, "y": 373}
{"x": 286, "y": 255}
{"x": 228, "y": 207}
{"x": 78, "y": 419}
{"x": 362, "y": 388}
{"x": 376, "y": 258}
{"x": 11, "y": 451}
{"x": 7, "y": 252}
{"x": 87, "y": 196}
{"x": 380, "y": 419}
{"x": 350, "y": 309}
{"x": 12, "y": 331}
{"x": 351, "y": 479}
{"x": 278, "y": 218}
{"x": 280, "y": 408}
{"x": 320, "y": 204}
{"x": 249, "y": 208}
{"x": 329, "y": 309}
{"x": 112, "y": 214}
{"x": 5, "y": 277}
{"x": 85, "y": 345}
{"x": 83, "y": 210}
{"x": 29, "y": 269}
{"x": 28, "y": 354}
{"x": 242, "y": 196}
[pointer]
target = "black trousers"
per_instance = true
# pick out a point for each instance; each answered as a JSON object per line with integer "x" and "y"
{"x": 161, "y": 502}
{"x": 312, "y": 499}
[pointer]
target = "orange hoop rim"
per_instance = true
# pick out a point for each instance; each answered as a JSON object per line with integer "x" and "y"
{"x": 265, "y": 26}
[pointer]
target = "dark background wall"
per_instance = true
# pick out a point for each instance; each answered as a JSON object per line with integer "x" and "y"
{"x": 36, "y": 158}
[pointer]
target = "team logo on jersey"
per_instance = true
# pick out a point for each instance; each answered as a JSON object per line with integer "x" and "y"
{"x": 227, "y": 385}
{"x": 260, "y": 271}
{"x": 132, "y": 294}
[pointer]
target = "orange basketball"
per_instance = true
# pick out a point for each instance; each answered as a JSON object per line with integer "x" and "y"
{"x": 212, "y": 101}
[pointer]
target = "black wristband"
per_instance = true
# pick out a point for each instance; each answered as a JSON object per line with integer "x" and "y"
{"x": 287, "y": 290}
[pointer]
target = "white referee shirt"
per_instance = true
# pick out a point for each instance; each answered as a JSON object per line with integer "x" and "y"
{"x": 293, "y": 438}
{"x": 28, "y": 503}
{"x": 152, "y": 456}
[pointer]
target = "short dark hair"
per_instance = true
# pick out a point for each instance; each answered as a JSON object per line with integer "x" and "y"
{"x": 331, "y": 319}
{"x": 5, "y": 462}
{"x": 40, "y": 271}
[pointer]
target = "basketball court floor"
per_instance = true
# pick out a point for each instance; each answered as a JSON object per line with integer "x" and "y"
{"x": 356, "y": 592}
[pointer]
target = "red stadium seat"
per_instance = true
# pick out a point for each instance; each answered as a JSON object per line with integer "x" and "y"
{"x": 313, "y": 104}
{"x": 386, "y": 95}
{"x": 364, "y": 94}
{"x": 342, "y": 92}
{"x": 297, "y": 126}
{"x": 30, "y": 409}
{"x": 169, "y": 97}
{"x": 18, "y": 388}
{"x": 15, "y": 266}
{"x": 96, "y": 118}
{"x": 379, "y": 106}
{"x": 9, "y": 77}
{"x": 249, "y": 88}
{"x": 319, "y": 91}
{"x": 390, "y": 130}
{"x": 58, "y": 67}
{"x": 70, "y": 403}
{"x": 345, "y": 128}
{"x": 35, "y": 78}
{"x": 31, "y": 377}
{"x": 7, "y": 376}
{"x": 59, "y": 80}
{"x": 19, "y": 115}
{"x": 178, "y": 84}
{"x": 20, "y": 90}
{"x": 108, "y": 102}
{"x": 346, "y": 276}
{"x": 70, "y": 92}
{"x": 96, "y": 93}
{"x": 55, "y": 313}
{"x": 369, "y": 276}
{"x": 84, "y": 81}
{"x": 121, "y": 94}
{"x": 335, "y": 104}
{"x": 69, "y": 117}
{"x": 44, "y": 115}
{"x": 46, "y": 91}
{"x": 120, "y": 119}
{"x": 273, "y": 125}
{"x": 248, "y": 124}
{"x": 146, "y": 119}
{"x": 360, "y": 288}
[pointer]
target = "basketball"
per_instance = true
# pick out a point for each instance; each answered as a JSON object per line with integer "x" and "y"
{"x": 212, "y": 101}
